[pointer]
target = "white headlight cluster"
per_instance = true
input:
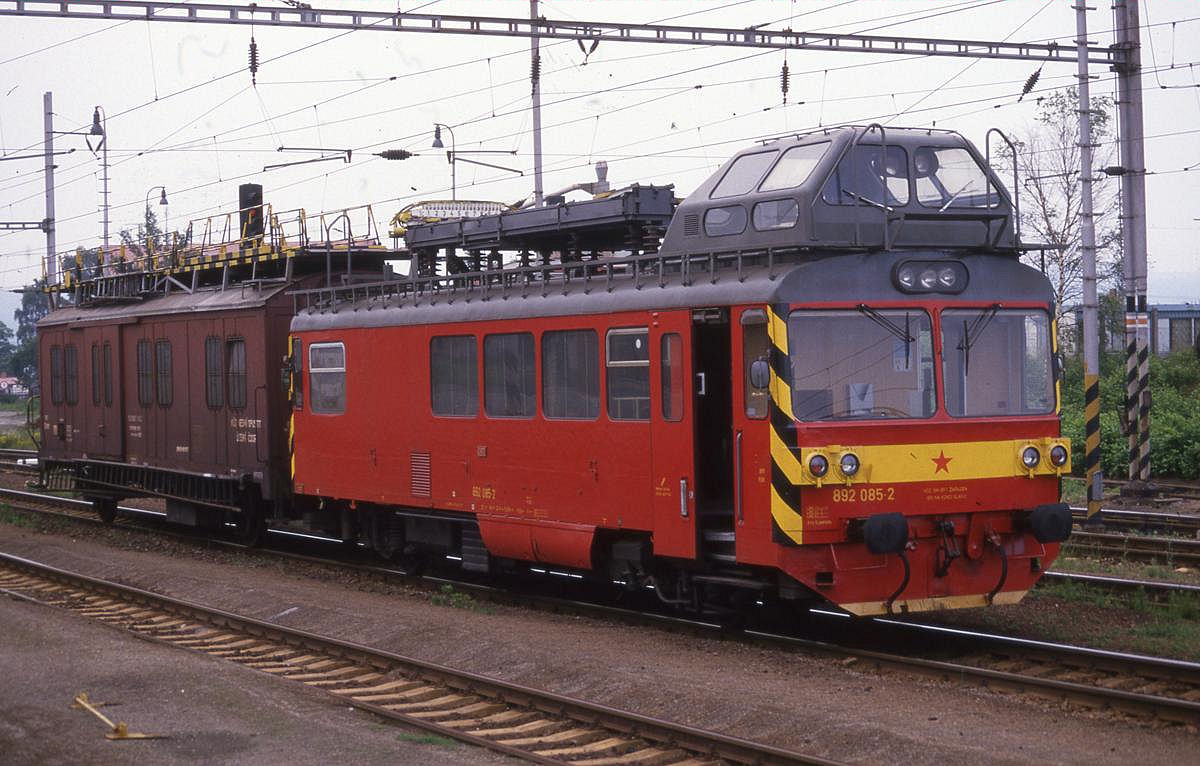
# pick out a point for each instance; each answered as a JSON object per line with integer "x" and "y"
{"x": 931, "y": 277}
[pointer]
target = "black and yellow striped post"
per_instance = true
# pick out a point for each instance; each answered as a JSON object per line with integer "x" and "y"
{"x": 1091, "y": 428}
{"x": 787, "y": 525}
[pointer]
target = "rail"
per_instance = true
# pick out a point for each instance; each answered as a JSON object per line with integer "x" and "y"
{"x": 453, "y": 703}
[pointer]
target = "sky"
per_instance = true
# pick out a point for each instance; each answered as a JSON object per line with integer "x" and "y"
{"x": 183, "y": 113}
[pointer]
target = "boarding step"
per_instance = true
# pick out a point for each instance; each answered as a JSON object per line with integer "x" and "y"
{"x": 475, "y": 556}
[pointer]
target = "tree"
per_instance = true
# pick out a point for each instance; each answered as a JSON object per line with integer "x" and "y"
{"x": 1051, "y": 195}
{"x": 6, "y": 348}
{"x": 24, "y": 359}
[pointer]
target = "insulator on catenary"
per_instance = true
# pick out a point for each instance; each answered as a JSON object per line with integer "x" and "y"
{"x": 395, "y": 154}
{"x": 535, "y": 68}
{"x": 253, "y": 62}
{"x": 1030, "y": 83}
{"x": 784, "y": 79}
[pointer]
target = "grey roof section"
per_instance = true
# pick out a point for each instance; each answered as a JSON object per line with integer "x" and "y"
{"x": 842, "y": 278}
{"x": 242, "y": 296}
{"x": 577, "y": 299}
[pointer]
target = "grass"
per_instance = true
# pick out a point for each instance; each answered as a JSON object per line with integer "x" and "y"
{"x": 1165, "y": 628}
{"x": 448, "y": 596}
{"x": 1074, "y": 491}
{"x": 12, "y": 405}
{"x": 417, "y": 738}
{"x": 14, "y": 518}
{"x": 1130, "y": 569}
{"x": 18, "y": 439}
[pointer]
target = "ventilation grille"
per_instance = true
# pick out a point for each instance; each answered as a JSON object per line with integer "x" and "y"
{"x": 691, "y": 225}
{"x": 421, "y": 476}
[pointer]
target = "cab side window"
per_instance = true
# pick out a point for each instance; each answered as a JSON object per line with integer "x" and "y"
{"x": 327, "y": 378}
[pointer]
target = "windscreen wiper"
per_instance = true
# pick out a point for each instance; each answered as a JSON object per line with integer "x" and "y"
{"x": 887, "y": 324}
{"x": 972, "y": 332}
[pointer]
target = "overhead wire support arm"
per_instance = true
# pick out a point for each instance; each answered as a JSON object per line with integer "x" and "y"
{"x": 541, "y": 27}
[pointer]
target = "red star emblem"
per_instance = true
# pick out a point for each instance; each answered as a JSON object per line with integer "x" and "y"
{"x": 943, "y": 462}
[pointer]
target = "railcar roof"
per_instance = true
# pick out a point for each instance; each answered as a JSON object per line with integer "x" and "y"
{"x": 242, "y": 296}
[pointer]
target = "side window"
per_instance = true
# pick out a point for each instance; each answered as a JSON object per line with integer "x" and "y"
{"x": 776, "y": 214}
{"x": 571, "y": 374}
{"x": 327, "y": 378}
{"x": 56, "y": 374}
{"x": 72, "y": 374}
{"x": 724, "y": 221}
{"x": 214, "y": 373}
{"x": 509, "y": 376}
{"x": 96, "y": 374}
{"x": 671, "y": 369}
{"x": 454, "y": 375}
{"x": 743, "y": 174}
{"x": 164, "y": 375}
{"x": 235, "y": 353}
{"x": 754, "y": 347}
{"x": 145, "y": 374}
{"x": 108, "y": 375}
{"x": 628, "y": 374}
{"x": 862, "y": 177}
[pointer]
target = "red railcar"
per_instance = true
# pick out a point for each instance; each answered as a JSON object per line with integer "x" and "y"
{"x": 835, "y": 379}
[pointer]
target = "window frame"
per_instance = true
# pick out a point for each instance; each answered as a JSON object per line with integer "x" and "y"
{"x": 71, "y": 374}
{"x": 744, "y": 220}
{"x": 314, "y": 370}
{"x": 56, "y": 374}
{"x": 773, "y": 155}
{"x": 236, "y": 380}
{"x": 164, "y": 374}
{"x": 475, "y": 408}
{"x": 609, "y": 365}
{"x": 589, "y": 384}
{"x": 777, "y": 227}
{"x": 529, "y": 376}
{"x": 145, "y": 372}
{"x": 944, "y": 359}
{"x": 108, "y": 373}
{"x": 214, "y": 379}
{"x": 762, "y": 185}
{"x": 96, "y": 373}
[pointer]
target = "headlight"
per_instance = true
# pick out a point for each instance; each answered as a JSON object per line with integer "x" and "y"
{"x": 1031, "y": 457}
{"x": 1058, "y": 455}
{"x": 942, "y": 276}
{"x": 818, "y": 465}
{"x": 849, "y": 464}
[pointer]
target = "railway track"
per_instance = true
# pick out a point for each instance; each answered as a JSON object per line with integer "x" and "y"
{"x": 516, "y": 720}
{"x": 1160, "y": 549}
{"x": 1181, "y": 524}
{"x": 1148, "y": 687}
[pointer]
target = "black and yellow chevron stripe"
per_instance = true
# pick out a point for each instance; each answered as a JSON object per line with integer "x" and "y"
{"x": 786, "y": 522}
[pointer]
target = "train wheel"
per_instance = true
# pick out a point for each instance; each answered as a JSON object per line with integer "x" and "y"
{"x": 105, "y": 507}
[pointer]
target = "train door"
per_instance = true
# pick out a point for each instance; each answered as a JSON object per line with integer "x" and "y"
{"x": 751, "y": 437}
{"x": 713, "y": 393}
{"x": 104, "y": 436}
{"x": 672, "y": 418}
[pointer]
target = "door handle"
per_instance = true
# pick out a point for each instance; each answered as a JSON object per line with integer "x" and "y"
{"x": 683, "y": 498}
{"x": 703, "y": 388}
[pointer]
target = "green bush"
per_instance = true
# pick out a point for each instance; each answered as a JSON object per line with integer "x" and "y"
{"x": 1174, "y": 415}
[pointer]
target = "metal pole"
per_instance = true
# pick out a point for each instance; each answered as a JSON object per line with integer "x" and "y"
{"x": 51, "y": 246}
{"x": 106, "y": 185}
{"x": 1091, "y": 303}
{"x": 536, "y": 77}
{"x": 1133, "y": 199}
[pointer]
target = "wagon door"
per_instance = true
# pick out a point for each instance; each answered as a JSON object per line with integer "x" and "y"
{"x": 672, "y": 434}
{"x": 105, "y": 435}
